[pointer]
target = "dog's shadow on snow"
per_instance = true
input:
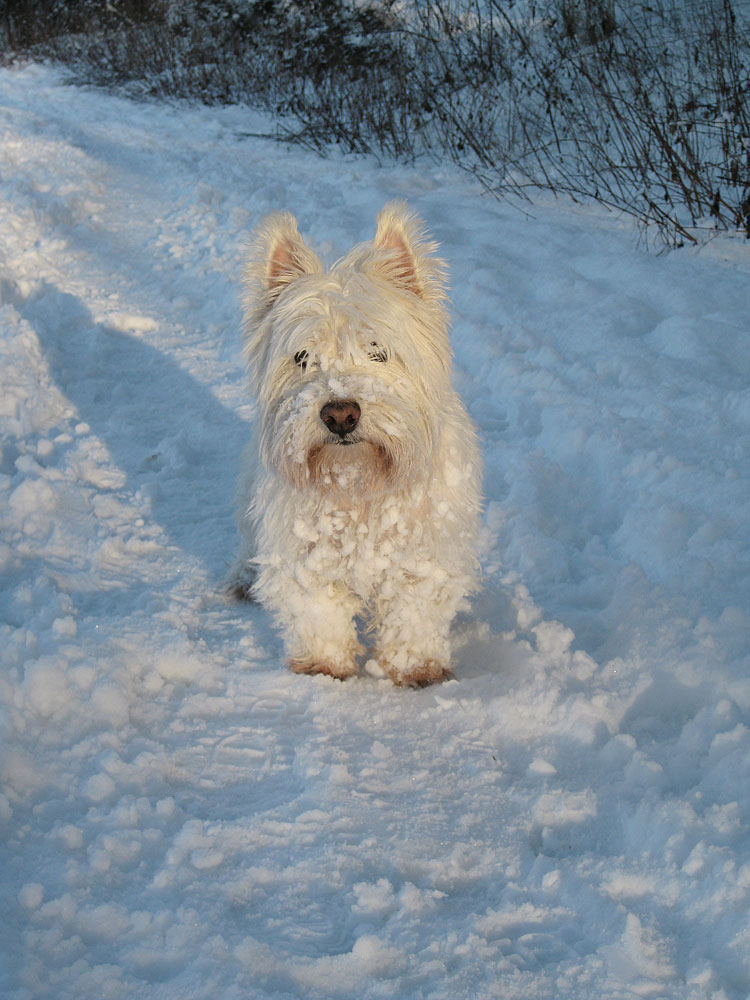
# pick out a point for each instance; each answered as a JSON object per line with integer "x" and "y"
{"x": 176, "y": 443}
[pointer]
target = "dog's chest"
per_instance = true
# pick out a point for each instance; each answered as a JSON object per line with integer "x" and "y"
{"x": 359, "y": 545}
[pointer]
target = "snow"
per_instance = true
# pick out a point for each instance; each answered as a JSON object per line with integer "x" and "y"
{"x": 180, "y": 816}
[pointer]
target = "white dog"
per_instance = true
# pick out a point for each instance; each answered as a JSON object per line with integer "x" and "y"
{"x": 360, "y": 494}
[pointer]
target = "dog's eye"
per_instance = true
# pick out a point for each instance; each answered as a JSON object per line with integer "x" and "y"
{"x": 300, "y": 359}
{"x": 377, "y": 353}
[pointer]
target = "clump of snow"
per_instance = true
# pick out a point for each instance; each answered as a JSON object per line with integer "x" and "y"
{"x": 179, "y": 815}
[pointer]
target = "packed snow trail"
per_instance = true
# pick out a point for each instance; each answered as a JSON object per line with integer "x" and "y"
{"x": 179, "y": 815}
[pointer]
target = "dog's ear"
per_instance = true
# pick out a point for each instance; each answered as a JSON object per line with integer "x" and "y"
{"x": 277, "y": 257}
{"x": 405, "y": 252}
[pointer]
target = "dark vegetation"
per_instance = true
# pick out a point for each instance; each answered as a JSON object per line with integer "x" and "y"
{"x": 643, "y": 106}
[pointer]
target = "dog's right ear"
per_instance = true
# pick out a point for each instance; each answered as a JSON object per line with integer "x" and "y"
{"x": 277, "y": 256}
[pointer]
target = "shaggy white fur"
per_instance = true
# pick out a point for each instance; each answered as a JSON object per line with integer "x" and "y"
{"x": 359, "y": 496}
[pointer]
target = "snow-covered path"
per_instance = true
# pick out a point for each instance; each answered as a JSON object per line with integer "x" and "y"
{"x": 180, "y": 816}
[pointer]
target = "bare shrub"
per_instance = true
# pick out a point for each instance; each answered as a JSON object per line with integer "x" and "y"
{"x": 643, "y": 106}
{"x": 655, "y": 119}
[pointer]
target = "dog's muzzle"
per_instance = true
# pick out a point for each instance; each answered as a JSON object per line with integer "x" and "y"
{"x": 341, "y": 416}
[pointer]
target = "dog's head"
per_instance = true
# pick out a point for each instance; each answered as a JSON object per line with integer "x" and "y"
{"x": 350, "y": 367}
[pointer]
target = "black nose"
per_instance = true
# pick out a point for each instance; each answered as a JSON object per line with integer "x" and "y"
{"x": 341, "y": 416}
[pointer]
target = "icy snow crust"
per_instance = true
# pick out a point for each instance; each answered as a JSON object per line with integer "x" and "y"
{"x": 182, "y": 817}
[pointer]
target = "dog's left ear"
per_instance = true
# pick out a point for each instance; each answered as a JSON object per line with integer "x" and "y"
{"x": 277, "y": 257}
{"x": 405, "y": 256}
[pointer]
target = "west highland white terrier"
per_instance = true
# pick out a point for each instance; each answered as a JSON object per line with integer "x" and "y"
{"x": 359, "y": 496}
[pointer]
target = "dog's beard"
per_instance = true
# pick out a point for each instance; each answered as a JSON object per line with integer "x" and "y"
{"x": 383, "y": 456}
{"x": 357, "y": 469}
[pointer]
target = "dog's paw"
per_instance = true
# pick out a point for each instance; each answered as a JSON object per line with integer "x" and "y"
{"x": 241, "y": 581}
{"x": 238, "y": 590}
{"x": 338, "y": 670}
{"x": 421, "y": 675}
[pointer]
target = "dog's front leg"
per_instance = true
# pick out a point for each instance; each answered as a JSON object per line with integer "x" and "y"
{"x": 413, "y": 620}
{"x": 317, "y": 622}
